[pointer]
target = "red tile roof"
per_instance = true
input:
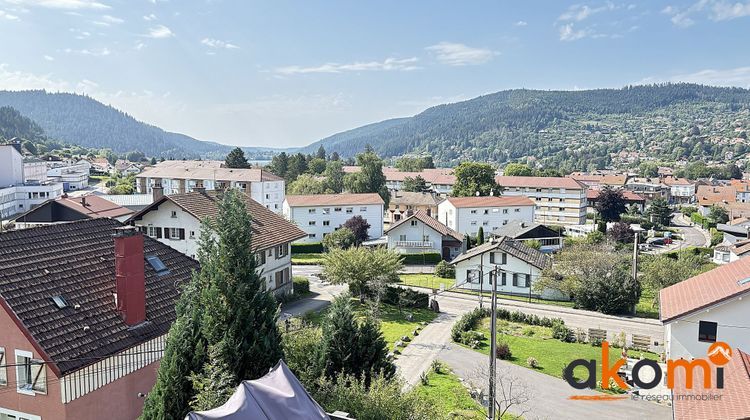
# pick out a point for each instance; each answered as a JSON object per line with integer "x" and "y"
{"x": 539, "y": 182}
{"x": 502, "y": 201}
{"x": 708, "y": 195}
{"x": 676, "y": 181}
{"x": 705, "y": 290}
{"x": 734, "y": 402}
{"x": 333, "y": 200}
{"x": 431, "y": 222}
{"x": 94, "y": 206}
{"x": 627, "y": 194}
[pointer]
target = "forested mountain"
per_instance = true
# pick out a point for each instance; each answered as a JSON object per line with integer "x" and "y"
{"x": 81, "y": 120}
{"x": 574, "y": 130}
{"x": 15, "y": 125}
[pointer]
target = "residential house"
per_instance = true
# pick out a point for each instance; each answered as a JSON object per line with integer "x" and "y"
{"x": 17, "y": 194}
{"x": 320, "y": 214}
{"x": 726, "y": 253}
{"x": 559, "y": 201}
{"x": 126, "y": 168}
{"x": 742, "y": 190}
{"x": 598, "y": 181}
{"x": 518, "y": 267}
{"x": 550, "y": 240}
{"x": 631, "y": 199}
{"x": 85, "y": 308}
{"x": 178, "y": 177}
{"x": 439, "y": 180}
{"x": 100, "y": 166}
{"x": 176, "y": 219}
{"x": 67, "y": 209}
{"x": 468, "y": 214}
{"x": 648, "y": 188}
{"x": 404, "y": 203}
{"x": 421, "y": 233}
{"x": 681, "y": 190}
{"x": 735, "y": 230}
{"x": 710, "y": 195}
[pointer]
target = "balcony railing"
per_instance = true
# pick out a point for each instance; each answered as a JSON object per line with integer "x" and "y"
{"x": 414, "y": 244}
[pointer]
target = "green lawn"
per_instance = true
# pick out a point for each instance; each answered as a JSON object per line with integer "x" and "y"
{"x": 552, "y": 355}
{"x": 449, "y": 397}
{"x": 645, "y": 308}
{"x": 393, "y": 323}
{"x": 307, "y": 259}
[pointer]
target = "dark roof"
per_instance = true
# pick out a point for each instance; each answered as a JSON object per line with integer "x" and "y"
{"x": 269, "y": 228}
{"x": 431, "y": 222}
{"x": 88, "y": 206}
{"x": 516, "y": 229}
{"x": 515, "y": 248}
{"x": 77, "y": 261}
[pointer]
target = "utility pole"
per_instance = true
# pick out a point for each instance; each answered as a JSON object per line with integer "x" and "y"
{"x": 635, "y": 260}
{"x": 481, "y": 280}
{"x": 493, "y": 345}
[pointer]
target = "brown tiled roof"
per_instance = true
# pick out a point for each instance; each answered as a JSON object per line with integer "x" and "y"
{"x": 515, "y": 248}
{"x": 705, "y": 290}
{"x": 333, "y": 200}
{"x": 740, "y": 248}
{"x": 676, "y": 181}
{"x": 431, "y": 222}
{"x": 202, "y": 173}
{"x": 415, "y": 198}
{"x": 95, "y": 207}
{"x": 626, "y": 194}
{"x": 538, "y": 182}
{"x": 269, "y": 228}
{"x": 734, "y": 402}
{"x": 77, "y": 261}
{"x": 502, "y": 201}
{"x": 614, "y": 180}
{"x": 708, "y": 195}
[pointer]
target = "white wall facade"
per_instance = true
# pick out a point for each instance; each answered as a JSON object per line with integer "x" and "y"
{"x": 554, "y": 206}
{"x": 467, "y": 220}
{"x": 271, "y": 194}
{"x": 169, "y": 215}
{"x": 682, "y": 191}
{"x": 415, "y": 237}
{"x": 681, "y": 335}
{"x": 22, "y": 198}
{"x": 11, "y": 166}
{"x": 318, "y": 221}
{"x": 35, "y": 171}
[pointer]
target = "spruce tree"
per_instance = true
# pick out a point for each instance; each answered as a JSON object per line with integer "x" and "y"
{"x": 214, "y": 385}
{"x": 373, "y": 351}
{"x": 236, "y": 159}
{"x": 480, "y": 236}
{"x": 339, "y": 343}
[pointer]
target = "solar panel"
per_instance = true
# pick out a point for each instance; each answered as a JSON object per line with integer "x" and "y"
{"x": 59, "y": 302}
{"x": 157, "y": 264}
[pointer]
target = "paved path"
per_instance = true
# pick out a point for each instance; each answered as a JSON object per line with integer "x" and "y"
{"x": 693, "y": 236}
{"x": 548, "y": 395}
{"x": 322, "y": 293}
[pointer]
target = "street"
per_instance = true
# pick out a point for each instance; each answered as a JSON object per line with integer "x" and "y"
{"x": 692, "y": 236}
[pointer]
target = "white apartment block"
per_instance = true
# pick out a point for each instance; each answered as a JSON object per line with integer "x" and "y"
{"x": 321, "y": 214}
{"x": 175, "y": 221}
{"x": 559, "y": 201}
{"x": 16, "y": 194}
{"x": 467, "y": 214}
{"x": 176, "y": 177}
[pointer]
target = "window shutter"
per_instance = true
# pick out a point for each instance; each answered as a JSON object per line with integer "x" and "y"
{"x": 166, "y": 233}
{"x": 158, "y": 233}
{"x": 528, "y": 280}
{"x": 38, "y": 376}
{"x": 276, "y": 252}
{"x": 515, "y": 279}
{"x": 505, "y": 258}
{"x": 3, "y": 369}
{"x": 503, "y": 281}
{"x": 492, "y": 257}
{"x": 182, "y": 233}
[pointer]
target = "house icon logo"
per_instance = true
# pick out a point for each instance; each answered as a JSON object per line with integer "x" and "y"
{"x": 719, "y": 353}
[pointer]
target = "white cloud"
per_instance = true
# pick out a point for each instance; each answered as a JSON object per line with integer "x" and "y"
{"x": 95, "y": 52}
{"x": 61, "y": 4}
{"x": 18, "y": 80}
{"x": 716, "y": 10}
{"x": 456, "y": 54}
{"x": 112, "y": 19}
{"x": 160, "y": 31}
{"x": 389, "y": 64}
{"x": 216, "y": 43}
{"x": 7, "y": 16}
{"x": 569, "y": 33}
{"x": 49, "y": 58}
{"x": 149, "y": 17}
{"x": 80, "y": 34}
{"x": 521, "y": 23}
{"x": 739, "y": 76}
{"x": 578, "y": 12}
{"x": 725, "y": 11}
{"x": 139, "y": 46}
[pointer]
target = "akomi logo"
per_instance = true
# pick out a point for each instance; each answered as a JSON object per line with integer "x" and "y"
{"x": 718, "y": 355}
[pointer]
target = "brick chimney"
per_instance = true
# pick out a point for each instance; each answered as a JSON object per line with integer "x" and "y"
{"x": 130, "y": 280}
{"x": 158, "y": 191}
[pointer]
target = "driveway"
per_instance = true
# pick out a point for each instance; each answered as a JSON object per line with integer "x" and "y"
{"x": 322, "y": 293}
{"x": 548, "y": 396}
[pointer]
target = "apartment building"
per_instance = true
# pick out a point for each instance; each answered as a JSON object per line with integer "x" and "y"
{"x": 17, "y": 194}
{"x": 439, "y": 180}
{"x": 175, "y": 220}
{"x": 404, "y": 203}
{"x": 559, "y": 201}
{"x": 83, "y": 339}
{"x": 649, "y": 188}
{"x": 468, "y": 214}
{"x": 178, "y": 177}
{"x": 321, "y": 214}
{"x": 681, "y": 190}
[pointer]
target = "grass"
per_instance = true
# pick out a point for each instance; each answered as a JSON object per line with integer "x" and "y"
{"x": 535, "y": 341}
{"x": 393, "y": 324}
{"x": 307, "y": 259}
{"x": 449, "y": 396}
{"x": 645, "y": 307}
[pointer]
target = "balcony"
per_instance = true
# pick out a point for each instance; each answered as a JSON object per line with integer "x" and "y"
{"x": 414, "y": 244}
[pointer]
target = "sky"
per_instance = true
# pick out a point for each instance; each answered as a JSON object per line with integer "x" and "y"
{"x": 283, "y": 74}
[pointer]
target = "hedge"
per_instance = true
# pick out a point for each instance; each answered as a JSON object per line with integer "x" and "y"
{"x": 301, "y": 285}
{"x": 405, "y": 297}
{"x": 309, "y": 248}
{"x": 469, "y": 320}
{"x": 426, "y": 258}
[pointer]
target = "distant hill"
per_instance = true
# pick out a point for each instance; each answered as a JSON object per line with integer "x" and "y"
{"x": 575, "y": 129}
{"x": 81, "y": 120}
{"x": 15, "y": 125}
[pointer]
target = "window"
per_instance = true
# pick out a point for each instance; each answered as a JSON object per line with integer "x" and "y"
{"x": 503, "y": 279}
{"x": 505, "y": 211}
{"x": 268, "y": 196}
{"x": 402, "y": 238}
{"x": 350, "y": 210}
{"x": 31, "y": 375}
{"x": 707, "y": 331}
{"x": 154, "y": 232}
{"x": 326, "y": 222}
{"x": 486, "y": 211}
{"x": 474, "y": 211}
{"x": 515, "y": 280}
{"x": 473, "y": 222}
{"x": 413, "y": 222}
{"x": 492, "y": 257}
{"x": 485, "y": 223}
{"x": 505, "y": 222}
{"x": 326, "y": 210}
{"x": 59, "y": 302}
{"x": 528, "y": 281}
{"x": 174, "y": 233}
{"x": 311, "y": 235}
{"x": 262, "y": 257}
{"x": 157, "y": 264}
{"x": 192, "y": 234}
{"x": 311, "y": 211}
{"x": 311, "y": 223}
{"x": 516, "y": 210}
{"x": 282, "y": 251}
{"x": 3, "y": 369}
{"x": 337, "y": 209}
{"x": 174, "y": 214}
{"x": 425, "y": 238}
{"x": 363, "y": 209}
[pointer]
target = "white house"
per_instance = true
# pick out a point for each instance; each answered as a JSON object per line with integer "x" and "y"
{"x": 680, "y": 189}
{"x": 421, "y": 233}
{"x": 726, "y": 253}
{"x": 518, "y": 267}
{"x": 177, "y": 177}
{"x": 710, "y": 307}
{"x": 321, "y": 214}
{"x": 468, "y": 214}
{"x": 176, "y": 221}
{"x": 550, "y": 240}
{"x": 17, "y": 194}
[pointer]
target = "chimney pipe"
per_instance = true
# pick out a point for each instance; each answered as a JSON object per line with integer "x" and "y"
{"x": 199, "y": 188}
{"x": 130, "y": 279}
{"x": 158, "y": 191}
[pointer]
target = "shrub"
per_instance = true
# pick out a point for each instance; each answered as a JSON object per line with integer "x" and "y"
{"x": 405, "y": 297}
{"x": 301, "y": 285}
{"x": 423, "y": 379}
{"x": 445, "y": 270}
{"x": 467, "y": 322}
{"x": 560, "y": 331}
{"x": 596, "y": 342}
{"x": 342, "y": 238}
{"x": 436, "y": 366}
{"x": 309, "y": 248}
{"x": 503, "y": 352}
{"x": 528, "y": 332}
{"x": 425, "y": 258}
{"x": 471, "y": 338}
{"x": 532, "y": 362}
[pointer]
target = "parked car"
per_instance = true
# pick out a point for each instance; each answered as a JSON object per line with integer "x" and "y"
{"x": 644, "y": 247}
{"x": 657, "y": 241}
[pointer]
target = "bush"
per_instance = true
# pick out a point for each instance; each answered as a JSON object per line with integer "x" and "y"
{"x": 532, "y": 362}
{"x": 468, "y": 322}
{"x": 405, "y": 297}
{"x": 342, "y": 238}
{"x": 561, "y": 332}
{"x": 445, "y": 270}
{"x": 426, "y": 258}
{"x": 471, "y": 338}
{"x": 502, "y": 351}
{"x": 596, "y": 342}
{"x": 436, "y": 366}
{"x": 301, "y": 285}
{"x": 310, "y": 248}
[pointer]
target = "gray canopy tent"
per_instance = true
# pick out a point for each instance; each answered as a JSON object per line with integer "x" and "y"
{"x": 276, "y": 396}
